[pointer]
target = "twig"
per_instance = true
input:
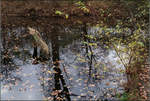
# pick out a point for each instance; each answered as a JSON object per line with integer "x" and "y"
{"x": 120, "y": 57}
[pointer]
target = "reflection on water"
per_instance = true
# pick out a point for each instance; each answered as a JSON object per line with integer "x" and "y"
{"x": 58, "y": 76}
{"x": 22, "y": 84}
{"x": 70, "y": 73}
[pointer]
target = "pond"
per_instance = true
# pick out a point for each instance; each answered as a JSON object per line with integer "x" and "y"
{"x": 74, "y": 71}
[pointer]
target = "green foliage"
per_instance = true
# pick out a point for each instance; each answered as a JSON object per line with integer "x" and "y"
{"x": 79, "y": 3}
{"x": 58, "y": 12}
{"x": 124, "y": 97}
{"x": 82, "y": 6}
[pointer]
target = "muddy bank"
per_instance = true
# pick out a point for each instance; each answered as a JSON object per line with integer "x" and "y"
{"x": 37, "y": 9}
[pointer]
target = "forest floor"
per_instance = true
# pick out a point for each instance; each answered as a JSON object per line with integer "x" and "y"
{"x": 145, "y": 85}
{"x": 148, "y": 90}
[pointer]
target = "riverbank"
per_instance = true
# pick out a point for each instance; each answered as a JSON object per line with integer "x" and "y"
{"x": 93, "y": 11}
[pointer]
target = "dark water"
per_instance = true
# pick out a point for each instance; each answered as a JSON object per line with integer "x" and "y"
{"x": 74, "y": 70}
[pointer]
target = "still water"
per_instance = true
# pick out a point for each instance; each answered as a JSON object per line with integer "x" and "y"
{"x": 74, "y": 70}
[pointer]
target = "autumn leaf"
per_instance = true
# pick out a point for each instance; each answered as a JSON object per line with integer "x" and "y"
{"x": 67, "y": 16}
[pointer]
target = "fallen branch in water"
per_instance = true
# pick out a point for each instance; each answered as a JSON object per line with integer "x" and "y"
{"x": 39, "y": 40}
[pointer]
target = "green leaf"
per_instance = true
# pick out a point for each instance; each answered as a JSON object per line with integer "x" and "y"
{"x": 58, "y": 12}
{"x": 141, "y": 43}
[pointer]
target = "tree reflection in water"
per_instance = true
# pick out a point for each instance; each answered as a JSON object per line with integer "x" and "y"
{"x": 60, "y": 91}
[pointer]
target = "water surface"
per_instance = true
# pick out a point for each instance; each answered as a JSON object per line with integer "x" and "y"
{"x": 74, "y": 70}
